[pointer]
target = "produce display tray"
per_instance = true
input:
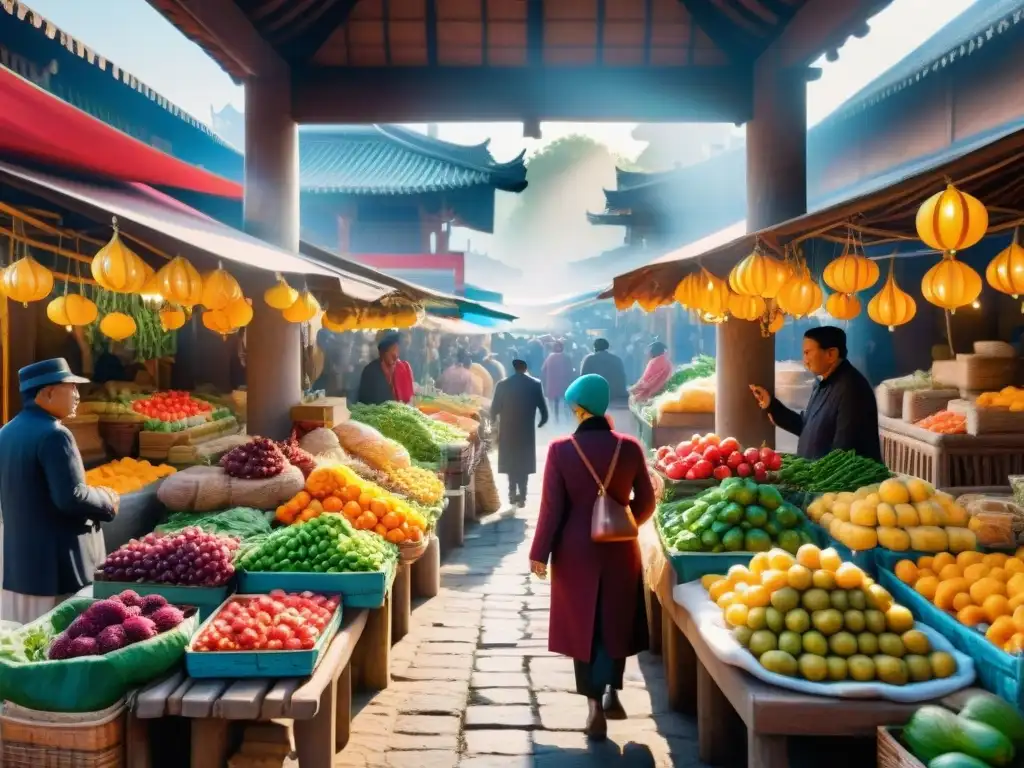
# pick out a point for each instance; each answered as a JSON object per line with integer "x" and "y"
{"x": 205, "y": 599}
{"x": 998, "y": 671}
{"x": 358, "y": 590}
{"x": 207, "y": 664}
{"x": 690, "y": 566}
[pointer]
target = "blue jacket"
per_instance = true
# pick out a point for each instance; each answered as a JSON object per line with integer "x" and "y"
{"x": 52, "y": 539}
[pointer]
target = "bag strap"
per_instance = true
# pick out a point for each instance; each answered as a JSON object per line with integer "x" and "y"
{"x": 590, "y": 467}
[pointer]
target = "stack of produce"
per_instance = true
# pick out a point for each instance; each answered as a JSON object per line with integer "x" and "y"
{"x": 945, "y": 423}
{"x": 439, "y": 402}
{"x": 1007, "y": 397}
{"x": 911, "y": 383}
{"x": 298, "y": 457}
{"x": 700, "y": 367}
{"x": 258, "y": 459}
{"x": 896, "y": 514}
{"x": 191, "y": 557}
{"x": 325, "y": 544}
{"x": 110, "y": 625}
{"x": 239, "y": 523}
{"x": 740, "y": 515}
{"x": 175, "y": 411}
{"x": 837, "y": 471}
{"x": 421, "y": 485}
{"x": 371, "y": 447}
{"x": 706, "y": 456}
{"x": 467, "y": 425}
{"x": 987, "y": 731}
{"x": 813, "y": 616}
{"x": 127, "y": 475}
{"x": 985, "y": 592}
{"x": 695, "y": 396}
{"x": 274, "y": 622}
{"x": 423, "y": 437}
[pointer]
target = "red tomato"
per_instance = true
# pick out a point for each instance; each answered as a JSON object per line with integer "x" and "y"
{"x": 691, "y": 475}
{"x": 744, "y": 470}
{"x": 721, "y": 472}
{"x": 676, "y": 470}
{"x": 293, "y": 644}
{"x": 766, "y": 453}
{"x": 683, "y": 449}
{"x": 760, "y": 467}
{"x": 264, "y": 618}
{"x": 752, "y": 455}
{"x": 728, "y": 445}
{"x": 275, "y": 645}
{"x": 734, "y": 459}
{"x": 712, "y": 454}
{"x": 761, "y": 475}
{"x": 662, "y": 452}
{"x": 703, "y": 469}
{"x": 774, "y": 463}
{"x": 238, "y": 626}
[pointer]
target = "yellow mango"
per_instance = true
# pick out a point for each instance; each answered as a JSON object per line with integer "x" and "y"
{"x": 828, "y": 499}
{"x": 928, "y": 538}
{"x": 859, "y": 537}
{"x": 928, "y": 513}
{"x": 893, "y": 538}
{"x": 835, "y": 529}
{"x": 919, "y": 490}
{"x": 961, "y": 539}
{"x": 956, "y": 515}
{"x": 906, "y": 515}
{"x": 826, "y": 520}
{"x": 886, "y": 515}
{"x": 873, "y": 498}
{"x": 816, "y": 509}
{"x": 841, "y": 510}
{"x": 863, "y": 512}
{"x": 893, "y": 491}
{"x": 846, "y": 497}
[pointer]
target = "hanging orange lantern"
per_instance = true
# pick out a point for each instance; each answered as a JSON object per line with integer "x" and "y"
{"x": 892, "y": 306}
{"x": 219, "y": 289}
{"x": 684, "y": 291}
{"x": 239, "y": 312}
{"x": 339, "y": 322}
{"x": 843, "y": 306}
{"x": 281, "y": 295}
{"x": 27, "y": 280}
{"x": 757, "y": 275}
{"x": 72, "y": 310}
{"x": 800, "y": 296}
{"x": 117, "y": 268}
{"x": 303, "y": 310}
{"x": 711, "y": 294}
{"x": 217, "y": 321}
{"x": 850, "y": 273}
{"x": 1005, "y": 272}
{"x": 180, "y": 283}
{"x": 746, "y": 307}
{"x": 951, "y": 284}
{"x": 172, "y": 318}
{"x": 117, "y": 326}
{"x": 951, "y": 220}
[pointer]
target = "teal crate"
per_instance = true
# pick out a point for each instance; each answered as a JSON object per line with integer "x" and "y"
{"x": 358, "y": 590}
{"x": 998, "y": 671}
{"x": 231, "y": 664}
{"x": 690, "y": 566}
{"x": 205, "y": 599}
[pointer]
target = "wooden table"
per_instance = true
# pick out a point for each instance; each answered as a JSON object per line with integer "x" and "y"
{"x": 319, "y": 705}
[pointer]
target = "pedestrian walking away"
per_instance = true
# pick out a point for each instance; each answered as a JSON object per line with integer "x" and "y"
{"x": 517, "y": 400}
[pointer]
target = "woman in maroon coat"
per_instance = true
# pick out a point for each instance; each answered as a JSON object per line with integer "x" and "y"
{"x": 597, "y": 607}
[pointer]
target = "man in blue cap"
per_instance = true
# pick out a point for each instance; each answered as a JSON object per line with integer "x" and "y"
{"x": 52, "y": 542}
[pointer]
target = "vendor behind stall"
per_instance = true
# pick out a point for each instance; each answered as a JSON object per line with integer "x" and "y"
{"x": 657, "y": 372}
{"x": 387, "y": 377}
{"x": 52, "y": 541}
{"x": 842, "y": 412}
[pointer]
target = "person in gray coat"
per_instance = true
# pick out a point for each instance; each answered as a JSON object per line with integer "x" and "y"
{"x": 514, "y": 406}
{"x": 52, "y": 543}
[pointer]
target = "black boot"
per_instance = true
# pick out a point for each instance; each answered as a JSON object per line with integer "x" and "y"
{"x": 612, "y": 706}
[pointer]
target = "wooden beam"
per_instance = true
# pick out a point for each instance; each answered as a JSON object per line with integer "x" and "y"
{"x": 430, "y": 21}
{"x": 599, "y": 20}
{"x": 726, "y": 36}
{"x": 226, "y": 23}
{"x": 649, "y": 33}
{"x": 818, "y": 26}
{"x": 437, "y": 94}
{"x": 304, "y": 46}
{"x": 534, "y": 32}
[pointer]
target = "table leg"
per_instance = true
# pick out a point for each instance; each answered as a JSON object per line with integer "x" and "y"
{"x": 401, "y": 603}
{"x": 653, "y": 606}
{"x": 209, "y": 742}
{"x": 680, "y": 666}
{"x": 372, "y": 655}
{"x": 714, "y": 720}
{"x": 315, "y": 739}
{"x": 765, "y": 751}
{"x": 137, "y": 754}
{"x": 426, "y": 572}
{"x": 343, "y": 709}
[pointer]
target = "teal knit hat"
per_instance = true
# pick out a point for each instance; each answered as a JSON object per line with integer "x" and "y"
{"x": 591, "y": 393}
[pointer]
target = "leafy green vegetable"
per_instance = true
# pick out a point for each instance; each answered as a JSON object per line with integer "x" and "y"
{"x": 422, "y": 436}
{"x": 240, "y": 522}
{"x": 698, "y": 368}
{"x": 27, "y": 644}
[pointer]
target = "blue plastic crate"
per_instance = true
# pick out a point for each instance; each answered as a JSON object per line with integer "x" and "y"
{"x": 998, "y": 671}
{"x": 218, "y": 664}
{"x": 205, "y": 599}
{"x": 358, "y": 590}
{"x": 690, "y": 566}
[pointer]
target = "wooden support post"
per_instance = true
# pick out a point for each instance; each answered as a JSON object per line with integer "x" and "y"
{"x": 654, "y": 630}
{"x": 372, "y": 657}
{"x": 209, "y": 742}
{"x": 426, "y": 572}
{"x": 137, "y": 752}
{"x": 316, "y": 739}
{"x": 714, "y": 720}
{"x": 451, "y": 528}
{"x": 680, "y": 666}
{"x": 401, "y": 603}
{"x": 343, "y": 709}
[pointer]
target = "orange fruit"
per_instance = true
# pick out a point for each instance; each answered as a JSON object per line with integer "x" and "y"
{"x": 391, "y": 520}
{"x": 352, "y": 510}
{"x": 773, "y": 580}
{"x": 351, "y": 492}
{"x": 849, "y": 576}
{"x": 971, "y": 616}
{"x": 941, "y": 560}
{"x": 364, "y": 500}
{"x": 1001, "y": 631}
{"x": 996, "y": 606}
{"x": 333, "y": 504}
{"x": 1018, "y": 618}
{"x": 302, "y": 499}
{"x": 951, "y": 571}
{"x": 809, "y": 556}
{"x": 976, "y": 571}
{"x": 982, "y": 588}
{"x": 380, "y": 529}
{"x": 947, "y": 591}
{"x": 378, "y": 507}
{"x": 415, "y": 534}
{"x": 371, "y": 519}
{"x": 395, "y": 536}
{"x": 906, "y": 571}
{"x": 757, "y": 597}
{"x": 927, "y": 587}
{"x": 961, "y": 601}
{"x": 830, "y": 559}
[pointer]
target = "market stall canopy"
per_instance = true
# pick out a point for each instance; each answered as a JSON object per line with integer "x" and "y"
{"x": 463, "y": 326}
{"x": 155, "y": 216}
{"x": 987, "y": 167}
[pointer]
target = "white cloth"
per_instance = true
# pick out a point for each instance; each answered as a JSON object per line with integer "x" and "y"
{"x": 23, "y": 609}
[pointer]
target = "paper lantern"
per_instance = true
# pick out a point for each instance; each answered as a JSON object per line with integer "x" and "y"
{"x": 281, "y": 295}
{"x": 951, "y": 284}
{"x": 117, "y": 268}
{"x": 951, "y": 220}
{"x": 850, "y": 273}
{"x": 27, "y": 280}
{"x": 172, "y": 318}
{"x": 711, "y": 294}
{"x": 1005, "y": 272}
{"x": 684, "y": 292}
{"x": 180, "y": 282}
{"x": 219, "y": 289}
{"x": 303, "y": 310}
{"x": 746, "y": 307}
{"x": 782, "y": 274}
{"x": 239, "y": 312}
{"x": 892, "y": 306}
{"x": 800, "y": 296}
{"x": 217, "y": 321}
{"x": 757, "y": 275}
{"x": 117, "y": 326}
{"x": 842, "y": 306}
{"x": 72, "y": 310}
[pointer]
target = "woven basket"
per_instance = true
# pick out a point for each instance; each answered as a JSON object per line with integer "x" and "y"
{"x": 33, "y": 739}
{"x": 892, "y": 754}
{"x": 889, "y": 401}
{"x": 411, "y": 552}
{"x": 122, "y": 437}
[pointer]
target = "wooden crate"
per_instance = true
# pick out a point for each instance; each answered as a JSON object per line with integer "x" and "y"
{"x": 920, "y": 403}
{"x": 990, "y": 419}
{"x": 974, "y": 372}
{"x": 156, "y": 445}
{"x": 328, "y": 411}
{"x": 892, "y": 754}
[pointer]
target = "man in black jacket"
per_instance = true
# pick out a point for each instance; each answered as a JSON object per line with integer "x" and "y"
{"x": 842, "y": 412}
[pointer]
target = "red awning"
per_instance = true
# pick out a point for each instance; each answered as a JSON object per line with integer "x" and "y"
{"x": 36, "y": 124}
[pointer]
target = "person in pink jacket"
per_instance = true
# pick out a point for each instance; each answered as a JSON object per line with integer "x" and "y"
{"x": 557, "y": 374}
{"x": 658, "y": 371}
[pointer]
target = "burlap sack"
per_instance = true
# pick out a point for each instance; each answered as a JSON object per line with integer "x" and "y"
{"x": 196, "y": 489}
{"x": 487, "y": 499}
{"x": 266, "y": 494}
{"x": 319, "y": 441}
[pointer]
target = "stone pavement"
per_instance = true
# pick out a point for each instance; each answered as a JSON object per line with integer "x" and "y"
{"x": 474, "y": 686}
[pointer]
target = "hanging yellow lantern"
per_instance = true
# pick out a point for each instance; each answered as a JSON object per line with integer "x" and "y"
{"x": 951, "y": 284}
{"x": 684, "y": 291}
{"x": 757, "y": 275}
{"x": 843, "y": 306}
{"x": 850, "y": 273}
{"x": 711, "y": 294}
{"x": 27, "y": 280}
{"x": 239, "y": 312}
{"x": 217, "y": 321}
{"x": 1005, "y": 272}
{"x": 219, "y": 289}
{"x": 180, "y": 283}
{"x": 800, "y": 296}
{"x": 117, "y": 326}
{"x": 72, "y": 310}
{"x": 172, "y": 318}
{"x": 746, "y": 307}
{"x": 892, "y": 306}
{"x": 341, "y": 326}
{"x": 281, "y": 295}
{"x": 303, "y": 310}
{"x": 951, "y": 220}
{"x": 117, "y": 268}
